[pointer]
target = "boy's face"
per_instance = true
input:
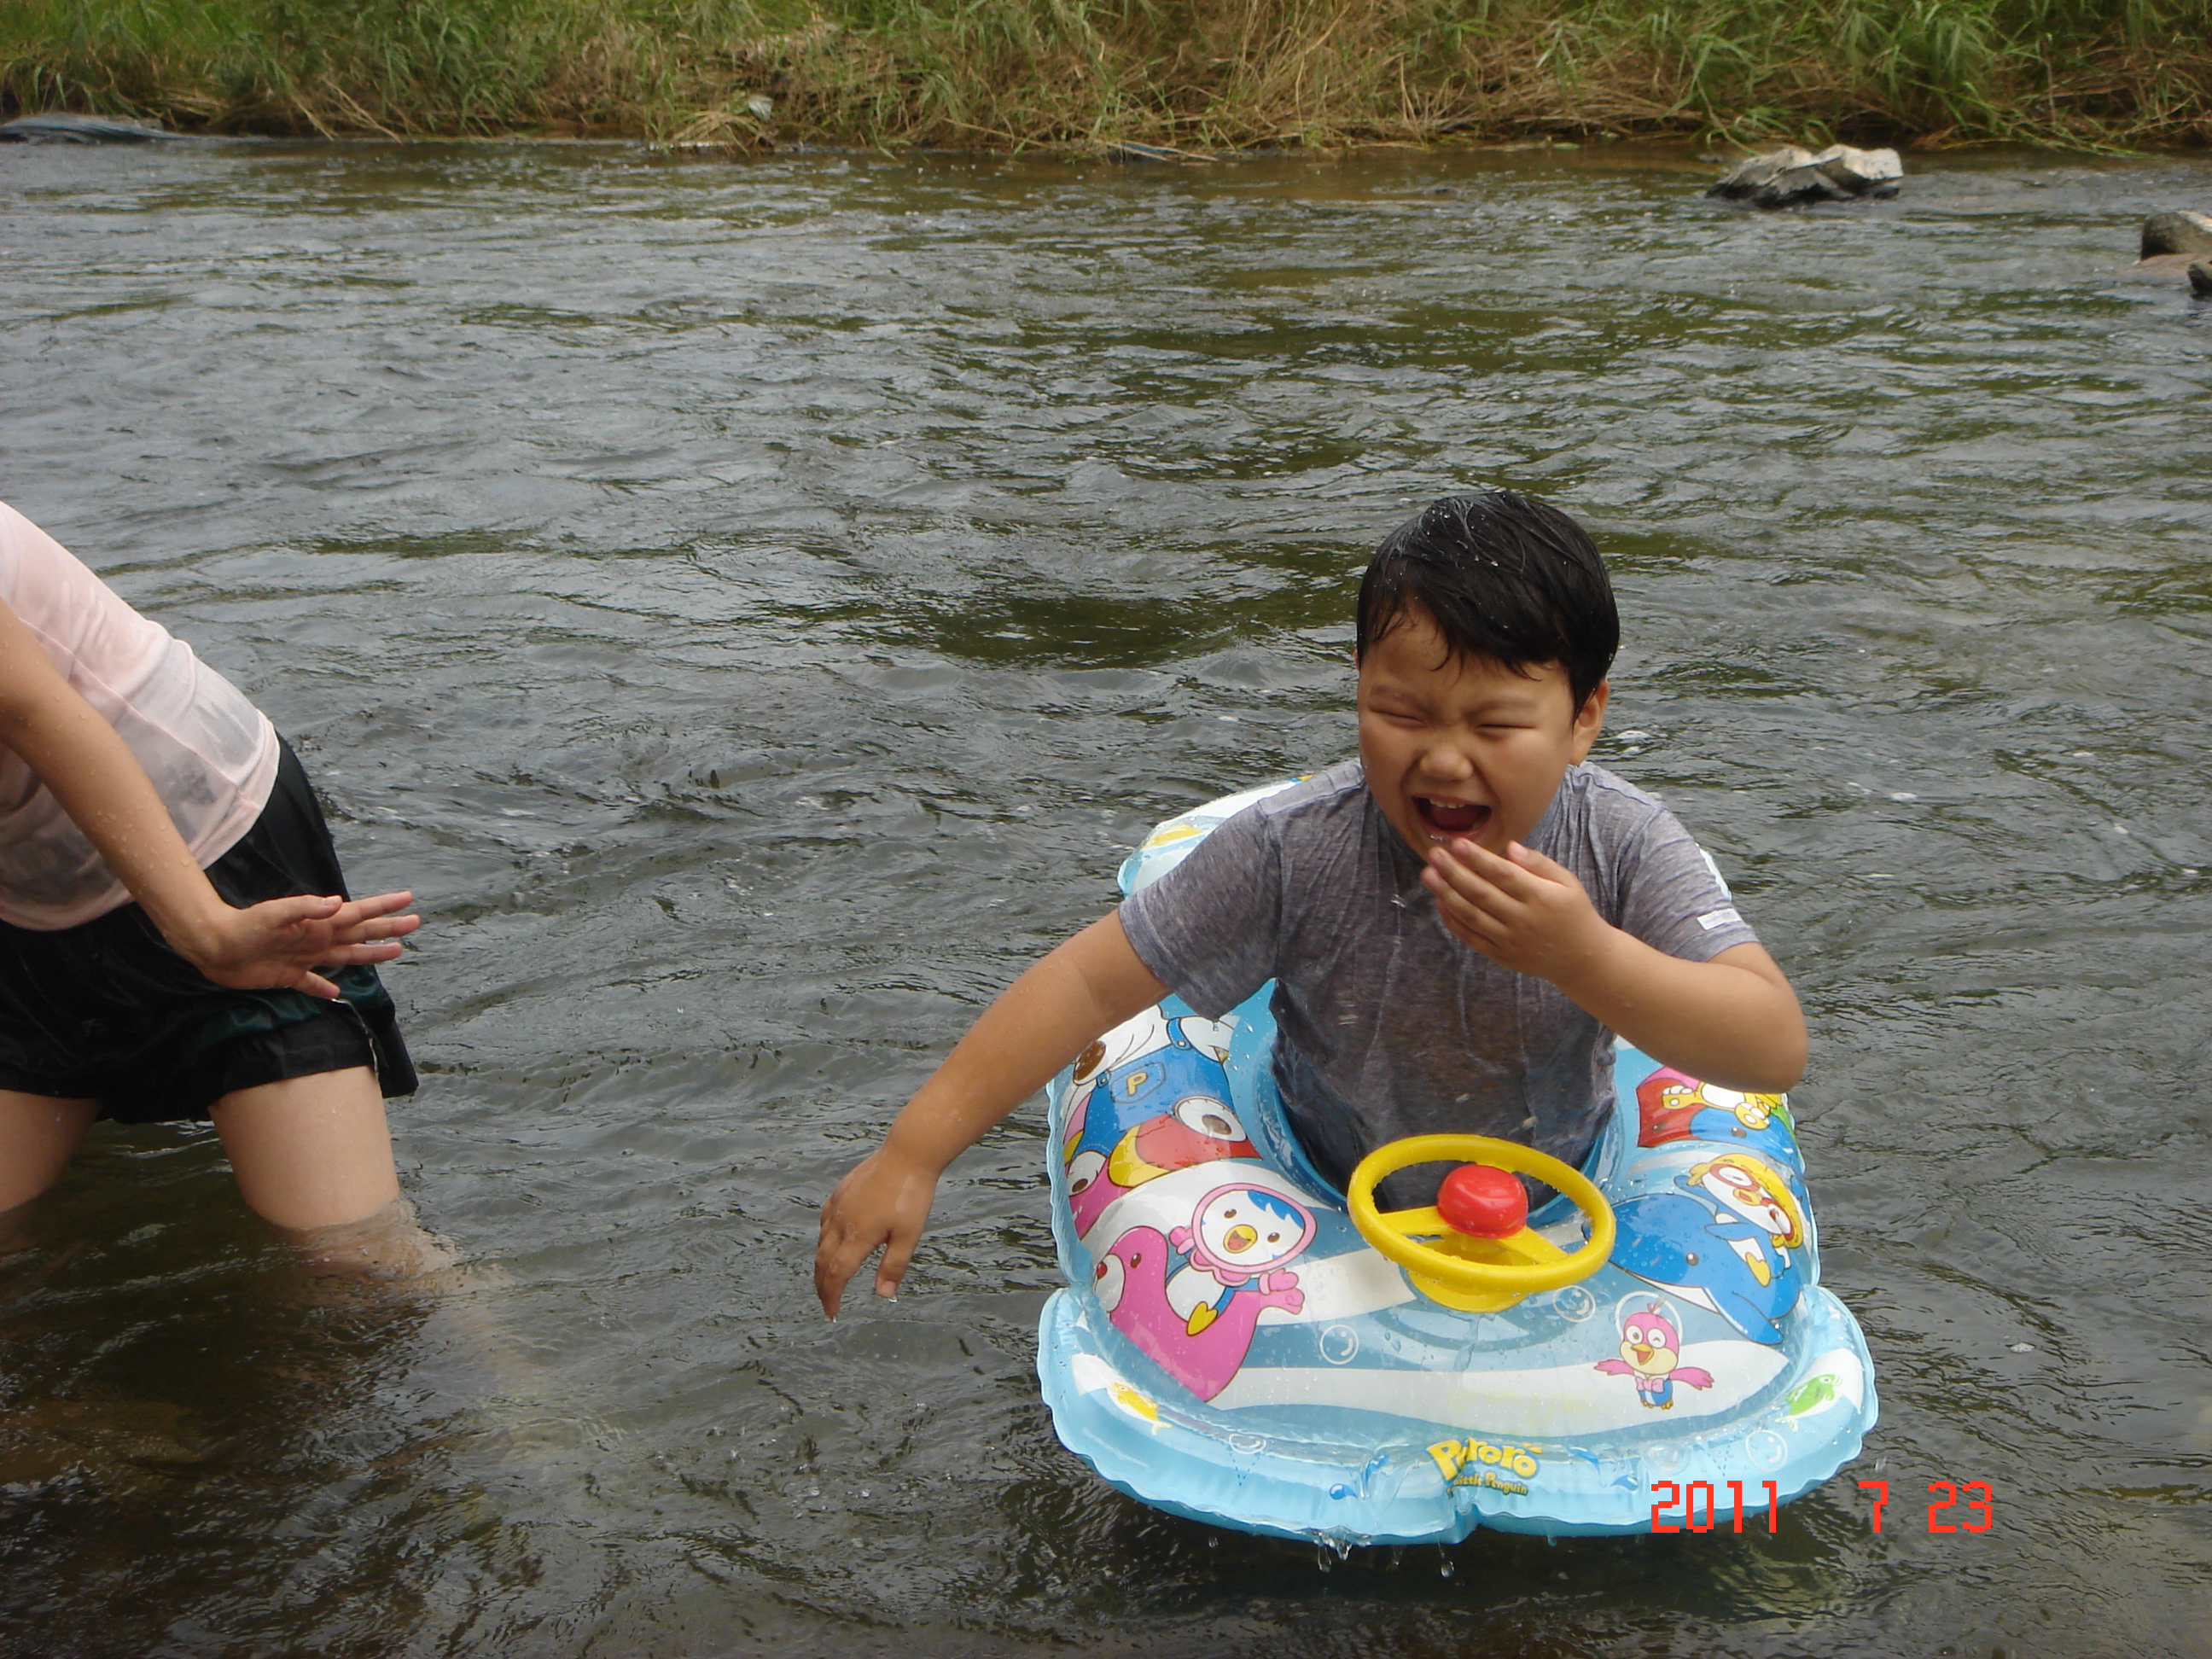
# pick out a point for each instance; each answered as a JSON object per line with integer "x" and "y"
{"x": 1464, "y": 746}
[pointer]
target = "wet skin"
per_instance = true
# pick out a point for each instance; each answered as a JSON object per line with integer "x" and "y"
{"x": 1458, "y": 747}
{"x": 1464, "y": 756}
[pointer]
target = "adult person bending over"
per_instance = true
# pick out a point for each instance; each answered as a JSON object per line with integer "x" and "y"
{"x": 175, "y": 939}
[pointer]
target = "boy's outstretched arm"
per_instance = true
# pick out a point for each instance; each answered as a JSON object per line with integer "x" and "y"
{"x": 1038, "y": 1025}
{"x": 1733, "y": 1020}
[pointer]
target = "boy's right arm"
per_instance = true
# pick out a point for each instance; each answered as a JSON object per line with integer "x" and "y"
{"x": 1038, "y": 1025}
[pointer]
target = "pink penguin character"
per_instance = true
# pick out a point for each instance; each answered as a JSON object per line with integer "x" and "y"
{"x": 1649, "y": 1349}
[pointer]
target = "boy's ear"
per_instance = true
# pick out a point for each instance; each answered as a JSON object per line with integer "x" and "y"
{"x": 1589, "y": 720}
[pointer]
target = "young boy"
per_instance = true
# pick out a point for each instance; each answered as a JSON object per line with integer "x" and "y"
{"x": 1457, "y": 921}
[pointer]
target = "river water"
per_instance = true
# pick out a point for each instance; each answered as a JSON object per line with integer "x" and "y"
{"x": 755, "y": 606}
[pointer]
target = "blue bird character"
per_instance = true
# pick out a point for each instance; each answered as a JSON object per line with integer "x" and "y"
{"x": 1725, "y": 1240}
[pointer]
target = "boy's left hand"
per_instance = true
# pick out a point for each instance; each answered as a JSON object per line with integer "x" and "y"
{"x": 1523, "y": 912}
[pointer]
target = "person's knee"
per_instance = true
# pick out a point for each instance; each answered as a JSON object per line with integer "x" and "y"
{"x": 310, "y": 1153}
{"x": 388, "y": 1244}
{"x": 39, "y": 1135}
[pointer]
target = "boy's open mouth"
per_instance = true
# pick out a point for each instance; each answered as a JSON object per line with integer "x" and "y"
{"x": 1450, "y": 817}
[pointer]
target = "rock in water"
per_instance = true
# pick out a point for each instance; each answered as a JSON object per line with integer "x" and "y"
{"x": 1876, "y": 172}
{"x": 2176, "y": 233}
{"x": 1758, "y": 172}
{"x": 2172, "y": 244}
{"x": 57, "y": 127}
{"x": 2200, "y": 279}
{"x": 1789, "y": 176}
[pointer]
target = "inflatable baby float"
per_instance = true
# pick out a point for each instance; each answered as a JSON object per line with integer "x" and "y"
{"x": 1242, "y": 1344}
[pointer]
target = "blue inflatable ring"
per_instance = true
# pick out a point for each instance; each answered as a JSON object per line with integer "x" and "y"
{"x": 1230, "y": 1349}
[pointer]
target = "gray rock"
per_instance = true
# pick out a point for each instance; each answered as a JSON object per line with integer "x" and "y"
{"x": 1756, "y": 173}
{"x": 1791, "y": 176}
{"x": 1795, "y": 187}
{"x": 2176, "y": 233}
{"x": 1875, "y": 173}
{"x": 58, "y": 127}
{"x": 2172, "y": 243}
{"x": 2200, "y": 279}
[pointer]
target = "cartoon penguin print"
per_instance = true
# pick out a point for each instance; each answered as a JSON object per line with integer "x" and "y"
{"x": 1149, "y": 1096}
{"x": 1651, "y": 1351}
{"x": 1729, "y": 1240}
{"x": 1238, "y": 1235}
{"x": 1199, "y": 1130}
{"x": 1130, "y": 1280}
{"x": 1672, "y": 1106}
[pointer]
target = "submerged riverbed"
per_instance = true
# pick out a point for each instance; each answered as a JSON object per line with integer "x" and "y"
{"x": 755, "y": 607}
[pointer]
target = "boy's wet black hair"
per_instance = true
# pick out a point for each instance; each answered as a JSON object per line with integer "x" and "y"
{"x": 1503, "y": 576}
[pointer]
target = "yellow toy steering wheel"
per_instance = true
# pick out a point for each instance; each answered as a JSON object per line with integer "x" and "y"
{"x": 1483, "y": 1255}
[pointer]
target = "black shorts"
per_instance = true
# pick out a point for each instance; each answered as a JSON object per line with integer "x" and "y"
{"x": 107, "y": 1011}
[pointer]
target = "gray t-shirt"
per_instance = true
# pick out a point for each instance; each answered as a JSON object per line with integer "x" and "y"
{"x": 1389, "y": 1025}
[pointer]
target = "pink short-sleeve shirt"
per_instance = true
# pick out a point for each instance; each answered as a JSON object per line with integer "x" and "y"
{"x": 211, "y": 753}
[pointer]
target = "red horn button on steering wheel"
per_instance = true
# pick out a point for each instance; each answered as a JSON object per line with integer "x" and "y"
{"x": 1483, "y": 1202}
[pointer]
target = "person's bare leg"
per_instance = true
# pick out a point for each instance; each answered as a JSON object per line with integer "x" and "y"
{"x": 313, "y": 1156}
{"x": 39, "y": 1135}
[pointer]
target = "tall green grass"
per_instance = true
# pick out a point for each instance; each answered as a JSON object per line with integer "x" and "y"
{"x": 1201, "y": 74}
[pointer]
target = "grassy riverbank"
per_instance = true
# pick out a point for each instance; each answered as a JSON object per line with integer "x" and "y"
{"x": 1194, "y": 73}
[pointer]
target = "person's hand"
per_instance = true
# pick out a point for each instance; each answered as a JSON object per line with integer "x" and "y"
{"x": 278, "y": 944}
{"x": 884, "y": 1200}
{"x": 1523, "y": 911}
